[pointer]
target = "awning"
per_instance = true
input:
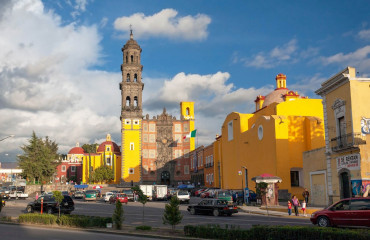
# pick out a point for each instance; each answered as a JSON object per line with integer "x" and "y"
{"x": 81, "y": 186}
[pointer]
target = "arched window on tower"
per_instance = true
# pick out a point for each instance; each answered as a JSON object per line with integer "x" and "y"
{"x": 187, "y": 111}
{"x": 135, "y": 102}
{"x": 128, "y": 101}
{"x": 135, "y": 77}
{"x": 126, "y": 59}
{"x": 132, "y": 58}
{"x": 137, "y": 59}
{"x": 128, "y": 77}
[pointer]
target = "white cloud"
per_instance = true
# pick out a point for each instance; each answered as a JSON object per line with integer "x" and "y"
{"x": 364, "y": 34}
{"x": 359, "y": 58}
{"x": 308, "y": 85}
{"x": 79, "y": 7}
{"x": 166, "y": 23}
{"x": 277, "y": 56}
{"x": 214, "y": 98}
{"x": 46, "y": 82}
{"x": 103, "y": 22}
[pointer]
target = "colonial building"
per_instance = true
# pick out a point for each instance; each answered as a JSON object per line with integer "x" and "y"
{"x": 209, "y": 167}
{"x": 343, "y": 169}
{"x": 271, "y": 140}
{"x": 148, "y": 144}
{"x": 70, "y": 168}
{"x": 197, "y": 166}
{"x": 108, "y": 154}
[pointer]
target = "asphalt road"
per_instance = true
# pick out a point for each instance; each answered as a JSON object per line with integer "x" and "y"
{"x": 10, "y": 232}
{"x": 153, "y": 212}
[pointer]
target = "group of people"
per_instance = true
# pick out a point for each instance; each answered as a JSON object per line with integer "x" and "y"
{"x": 294, "y": 202}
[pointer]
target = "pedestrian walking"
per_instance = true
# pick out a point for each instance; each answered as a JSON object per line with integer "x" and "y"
{"x": 304, "y": 208}
{"x": 289, "y": 208}
{"x": 296, "y": 204}
{"x": 306, "y": 195}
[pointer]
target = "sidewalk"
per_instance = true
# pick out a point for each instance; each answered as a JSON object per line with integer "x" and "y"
{"x": 279, "y": 211}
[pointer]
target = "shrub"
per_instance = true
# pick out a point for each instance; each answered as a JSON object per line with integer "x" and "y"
{"x": 47, "y": 219}
{"x": 6, "y": 218}
{"x": 145, "y": 228}
{"x": 83, "y": 221}
{"x": 172, "y": 214}
{"x": 118, "y": 215}
{"x": 275, "y": 232}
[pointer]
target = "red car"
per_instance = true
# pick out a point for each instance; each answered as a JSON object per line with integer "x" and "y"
{"x": 346, "y": 212}
{"x": 118, "y": 197}
{"x": 199, "y": 191}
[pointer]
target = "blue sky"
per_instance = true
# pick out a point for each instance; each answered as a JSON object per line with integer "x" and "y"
{"x": 60, "y": 60}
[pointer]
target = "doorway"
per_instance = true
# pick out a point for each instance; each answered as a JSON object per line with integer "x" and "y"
{"x": 345, "y": 188}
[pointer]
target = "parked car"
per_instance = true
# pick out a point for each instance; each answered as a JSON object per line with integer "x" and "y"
{"x": 90, "y": 195}
{"x": 208, "y": 193}
{"x": 346, "y": 212}
{"x": 118, "y": 197}
{"x": 107, "y": 196}
{"x": 51, "y": 206}
{"x": 183, "y": 196}
{"x": 224, "y": 195}
{"x": 129, "y": 193}
{"x": 78, "y": 194}
{"x": 65, "y": 193}
{"x": 18, "y": 194}
{"x": 216, "y": 207}
{"x": 199, "y": 191}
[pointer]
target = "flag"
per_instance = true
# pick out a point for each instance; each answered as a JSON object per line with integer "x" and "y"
{"x": 191, "y": 134}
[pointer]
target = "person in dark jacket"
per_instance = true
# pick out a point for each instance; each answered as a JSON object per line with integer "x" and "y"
{"x": 306, "y": 195}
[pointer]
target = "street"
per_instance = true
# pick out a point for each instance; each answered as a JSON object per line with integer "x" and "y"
{"x": 10, "y": 232}
{"x": 133, "y": 214}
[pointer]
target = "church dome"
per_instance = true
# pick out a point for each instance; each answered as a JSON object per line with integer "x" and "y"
{"x": 76, "y": 150}
{"x": 275, "y": 96}
{"x": 115, "y": 148}
{"x": 131, "y": 43}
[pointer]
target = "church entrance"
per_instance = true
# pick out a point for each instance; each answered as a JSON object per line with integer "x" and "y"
{"x": 165, "y": 178}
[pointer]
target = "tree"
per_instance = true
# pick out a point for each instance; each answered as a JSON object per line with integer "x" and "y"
{"x": 102, "y": 174}
{"x": 57, "y": 195}
{"x": 118, "y": 215}
{"x": 143, "y": 199}
{"x": 172, "y": 214}
{"x": 40, "y": 159}
{"x": 90, "y": 148}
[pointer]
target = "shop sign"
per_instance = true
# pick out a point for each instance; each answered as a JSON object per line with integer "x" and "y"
{"x": 351, "y": 162}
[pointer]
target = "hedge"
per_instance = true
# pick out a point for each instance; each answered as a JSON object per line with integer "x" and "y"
{"x": 276, "y": 232}
{"x": 47, "y": 219}
{"x": 65, "y": 220}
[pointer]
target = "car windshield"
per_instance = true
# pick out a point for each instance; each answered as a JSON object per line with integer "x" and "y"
{"x": 183, "y": 193}
{"x": 90, "y": 192}
{"x": 128, "y": 191}
{"x": 221, "y": 202}
{"x": 224, "y": 193}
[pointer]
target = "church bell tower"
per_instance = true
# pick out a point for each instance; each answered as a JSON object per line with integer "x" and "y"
{"x": 131, "y": 112}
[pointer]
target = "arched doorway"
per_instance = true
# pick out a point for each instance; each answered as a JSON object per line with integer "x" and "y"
{"x": 165, "y": 178}
{"x": 345, "y": 185}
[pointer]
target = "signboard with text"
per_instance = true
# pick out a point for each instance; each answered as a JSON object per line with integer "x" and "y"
{"x": 351, "y": 162}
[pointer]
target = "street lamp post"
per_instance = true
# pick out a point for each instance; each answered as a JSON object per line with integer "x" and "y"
{"x": 243, "y": 189}
{"x": 6, "y": 137}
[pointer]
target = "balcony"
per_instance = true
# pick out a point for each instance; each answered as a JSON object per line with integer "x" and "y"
{"x": 348, "y": 141}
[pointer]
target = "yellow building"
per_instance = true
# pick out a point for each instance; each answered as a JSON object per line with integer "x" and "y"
{"x": 107, "y": 154}
{"x": 346, "y": 163}
{"x": 271, "y": 140}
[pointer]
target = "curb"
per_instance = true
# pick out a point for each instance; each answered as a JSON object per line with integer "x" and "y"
{"x": 106, "y": 231}
{"x": 271, "y": 213}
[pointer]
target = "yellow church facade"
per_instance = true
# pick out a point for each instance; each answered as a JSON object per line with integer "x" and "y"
{"x": 270, "y": 140}
{"x": 107, "y": 154}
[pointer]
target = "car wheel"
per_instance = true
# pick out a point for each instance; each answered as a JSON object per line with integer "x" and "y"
{"x": 50, "y": 211}
{"x": 192, "y": 211}
{"x": 29, "y": 209}
{"x": 216, "y": 213}
{"x": 323, "y": 222}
